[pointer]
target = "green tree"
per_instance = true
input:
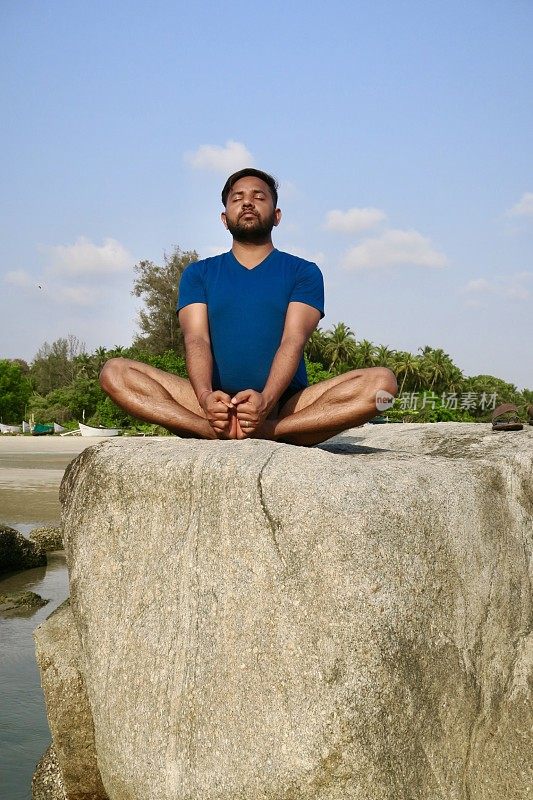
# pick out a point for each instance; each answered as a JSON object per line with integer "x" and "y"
{"x": 340, "y": 346}
{"x": 365, "y": 354}
{"x": 384, "y": 356}
{"x": 158, "y": 287}
{"x": 54, "y": 364}
{"x": 15, "y": 390}
{"x": 408, "y": 368}
{"x": 315, "y": 347}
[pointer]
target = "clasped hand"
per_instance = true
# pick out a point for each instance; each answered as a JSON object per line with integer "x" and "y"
{"x": 236, "y": 417}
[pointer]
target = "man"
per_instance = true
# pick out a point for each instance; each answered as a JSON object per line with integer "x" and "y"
{"x": 246, "y": 317}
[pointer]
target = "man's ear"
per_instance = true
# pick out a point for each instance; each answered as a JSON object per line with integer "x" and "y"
{"x": 277, "y": 216}
{"x": 223, "y": 218}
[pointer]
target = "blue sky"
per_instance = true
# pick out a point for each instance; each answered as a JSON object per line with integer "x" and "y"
{"x": 400, "y": 133}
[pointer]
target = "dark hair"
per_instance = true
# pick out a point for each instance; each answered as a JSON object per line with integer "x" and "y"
{"x": 254, "y": 173}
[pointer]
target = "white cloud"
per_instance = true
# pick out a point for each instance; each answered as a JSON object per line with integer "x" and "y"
{"x": 353, "y": 220}
{"x": 77, "y": 295}
{"x": 392, "y": 248}
{"x": 213, "y": 157}
{"x": 19, "y": 277}
{"x": 524, "y": 207}
{"x": 85, "y": 258}
{"x": 511, "y": 286}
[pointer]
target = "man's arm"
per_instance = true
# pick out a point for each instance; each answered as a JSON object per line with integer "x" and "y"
{"x": 198, "y": 356}
{"x": 300, "y": 322}
{"x": 199, "y": 359}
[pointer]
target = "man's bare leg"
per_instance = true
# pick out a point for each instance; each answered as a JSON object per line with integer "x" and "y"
{"x": 155, "y": 396}
{"x": 325, "y": 409}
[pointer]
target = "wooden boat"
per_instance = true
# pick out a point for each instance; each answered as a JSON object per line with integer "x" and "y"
{"x": 10, "y": 428}
{"x": 88, "y": 430}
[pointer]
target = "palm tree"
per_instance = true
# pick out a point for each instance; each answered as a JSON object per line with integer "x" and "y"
{"x": 366, "y": 354}
{"x": 408, "y": 365}
{"x": 340, "y": 345}
{"x": 437, "y": 367}
{"x": 384, "y": 356}
{"x": 315, "y": 347}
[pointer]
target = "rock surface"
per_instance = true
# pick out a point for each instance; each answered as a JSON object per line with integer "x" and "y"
{"x": 21, "y": 601}
{"x": 69, "y": 716}
{"x": 49, "y": 538}
{"x": 17, "y": 552}
{"x": 265, "y": 622}
{"x": 47, "y": 783}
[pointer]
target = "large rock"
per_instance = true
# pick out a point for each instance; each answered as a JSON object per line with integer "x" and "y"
{"x": 266, "y": 622}
{"x": 16, "y": 552}
{"x": 71, "y": 766}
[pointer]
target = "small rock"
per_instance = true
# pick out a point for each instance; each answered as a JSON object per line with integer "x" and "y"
{"x": 47, "y": 538}
{"x": 22, "y": 601}
{"x": 17, "y": 552}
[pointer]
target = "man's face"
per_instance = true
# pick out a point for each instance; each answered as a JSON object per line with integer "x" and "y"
{"x": 250, "y": 214}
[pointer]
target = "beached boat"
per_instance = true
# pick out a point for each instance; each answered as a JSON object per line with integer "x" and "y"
{"x": 88, "y": 430}
{"x": 10, "y": 428}
{"x": 26, "y": 427}
{"x": 42, "y": 430}
{"x": 58, "y": 428}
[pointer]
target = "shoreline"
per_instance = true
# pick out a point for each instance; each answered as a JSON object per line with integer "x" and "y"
{"x": 31, "y": 470}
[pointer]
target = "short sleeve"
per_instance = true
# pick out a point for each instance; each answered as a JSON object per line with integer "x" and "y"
{"x": 191, "y": 287}
{"x": 309, "y": 287}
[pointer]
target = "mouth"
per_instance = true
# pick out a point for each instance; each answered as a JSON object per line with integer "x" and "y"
{"x": 247, "y": 214}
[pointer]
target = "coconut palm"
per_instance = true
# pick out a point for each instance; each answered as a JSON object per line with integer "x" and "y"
{"x": 437, "y": 367}
{"x": 384, "y": 356}
{"x": 315, "y": 347}
{"x": 409, "y": 366}
{"x": 365, "y": 354}
{"x": 340, "y": 346}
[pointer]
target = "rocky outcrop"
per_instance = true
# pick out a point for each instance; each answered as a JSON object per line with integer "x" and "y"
{"x": 49, "y": 538}
{"x": 264, "y": 622}
{"x": 21, "y": 601}
{"x": 47, "y": 783}
{"x": 17, "y": 552}
{"x": 69, "y": 717}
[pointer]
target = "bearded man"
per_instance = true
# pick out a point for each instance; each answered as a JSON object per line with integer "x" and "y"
{"x": 246, "y": 316}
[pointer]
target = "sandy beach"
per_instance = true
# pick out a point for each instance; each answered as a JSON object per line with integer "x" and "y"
{"x": 31, "y": 469}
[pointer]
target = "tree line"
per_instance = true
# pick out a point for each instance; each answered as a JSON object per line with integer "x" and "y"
{"x": 61, "y": 383}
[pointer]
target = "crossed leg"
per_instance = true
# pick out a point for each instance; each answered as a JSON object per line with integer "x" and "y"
{"x": 152, "y": 395}
{"x": 313, "y": 415}
{"x": 327, "y": 408}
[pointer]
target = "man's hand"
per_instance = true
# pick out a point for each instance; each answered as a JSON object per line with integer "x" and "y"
{"x": 252, "y": 410}
{"x": 220, "y": 414}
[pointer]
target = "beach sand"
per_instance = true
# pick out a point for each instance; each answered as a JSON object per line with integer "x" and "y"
{"x": 31, "y": 469}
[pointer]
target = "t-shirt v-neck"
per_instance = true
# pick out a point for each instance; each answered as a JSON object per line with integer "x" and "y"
{"x": 257, "y": 266}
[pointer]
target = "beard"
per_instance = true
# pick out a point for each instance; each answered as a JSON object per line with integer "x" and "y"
{"x": 256, "y": 231}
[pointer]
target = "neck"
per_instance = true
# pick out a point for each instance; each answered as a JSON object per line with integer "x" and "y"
{"x": 250, "y": 254}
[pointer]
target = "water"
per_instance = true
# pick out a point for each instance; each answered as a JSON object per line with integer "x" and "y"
{"x": 24, "y": 733}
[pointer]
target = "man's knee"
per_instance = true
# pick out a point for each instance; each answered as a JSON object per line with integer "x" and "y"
{"x": 385, "y": 379}
{"x": 380, "y": 387}
{"x": 112, "y": 373}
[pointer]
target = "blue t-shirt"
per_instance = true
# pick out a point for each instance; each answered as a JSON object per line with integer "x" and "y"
{"x": 246, "y": 310}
